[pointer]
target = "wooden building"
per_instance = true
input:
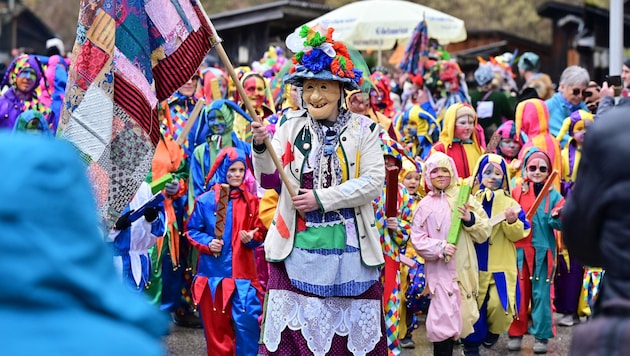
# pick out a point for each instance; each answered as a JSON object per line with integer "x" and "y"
{"x": 21, "y": 28}
{"x": 580, "y": 36}
{"x": 247, "y": 33}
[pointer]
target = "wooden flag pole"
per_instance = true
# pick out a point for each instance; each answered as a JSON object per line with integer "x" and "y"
{"x": 252, "y": 112}
{"x": 181, "y": 139}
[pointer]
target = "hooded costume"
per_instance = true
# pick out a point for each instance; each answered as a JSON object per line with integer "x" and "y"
{"x": 220, "y": 135}
{"x": 60, "y": 292}
{"x": 498, "y": 293}
{"x": 596, "y": 226}
{"x": 507, "y": 130}
{"x": 382, "y": 86}
{"x": 242, "y": 123}
{"x": 409, "y": 322}
{"x": 570, "y": 272}
{"x": 536, "y": 255}
{"x": 464, "y": 153}
{"x": 226, "y": 286}
{"x": 324, "y": 280}
{"x": 32, "y": 121}
{"x": 419, "y": 129}
{"x": 453, "y": 285}
{"x": 571, "y": 153}
{"x": 532, "y": 118}
{"x": 13, "y": 101}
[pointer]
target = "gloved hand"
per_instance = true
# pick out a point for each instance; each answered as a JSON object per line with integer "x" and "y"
{"x": 123, "y": 222}
{"x": 151, "y": 213}
{"x": 172, "y": 187}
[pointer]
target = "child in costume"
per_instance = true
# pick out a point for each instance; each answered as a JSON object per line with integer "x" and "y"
{"x": 536, "y": 254}
{"x": 570, "y": 273}
{"x": 410, "y": 176}
{"x": 496, "y": 257}
{"x": 459, "y": 138}
{"x": 131, "y": 240}
{"x": 453, "y": 285}
{"x": 226, "y": 286}
{"x": 419, "y": 129}
{"x": 510, "y": 146}
{"x": 576, "y": 125}
{"x": 394, "y": 235}
{"x": 219, "y": 118}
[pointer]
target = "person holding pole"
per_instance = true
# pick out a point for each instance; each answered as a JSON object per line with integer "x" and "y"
{"x": 536, "y": 254}
{"x": 446, "y": 224}
{"x": 323, "y": 294}
{"x": 225, "y": 228}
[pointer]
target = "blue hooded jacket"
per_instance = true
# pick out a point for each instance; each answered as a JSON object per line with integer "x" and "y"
{"x": 60, "y": 294}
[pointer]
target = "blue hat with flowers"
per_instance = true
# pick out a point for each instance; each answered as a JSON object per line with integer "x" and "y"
{"x": 318, "y": 56}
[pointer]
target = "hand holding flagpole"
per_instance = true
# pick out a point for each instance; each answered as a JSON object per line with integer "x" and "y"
{"x": 254, "y": 115}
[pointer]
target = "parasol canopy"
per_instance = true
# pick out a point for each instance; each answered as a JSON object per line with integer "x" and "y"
{"x": 379, "y": 24}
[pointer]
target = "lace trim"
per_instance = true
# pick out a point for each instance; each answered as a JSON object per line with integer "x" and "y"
{"x": 319, "y": 319}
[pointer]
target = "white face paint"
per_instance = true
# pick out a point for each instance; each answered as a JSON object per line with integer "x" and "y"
{"x": 321, "y": 98}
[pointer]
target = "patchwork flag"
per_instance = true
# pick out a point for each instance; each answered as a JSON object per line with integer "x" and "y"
{"x": 128, "y": 56}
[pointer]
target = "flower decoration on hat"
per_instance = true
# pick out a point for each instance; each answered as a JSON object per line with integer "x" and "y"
{"x": 318, "y": 56}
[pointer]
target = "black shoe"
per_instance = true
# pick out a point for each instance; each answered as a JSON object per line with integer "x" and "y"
{"x": 187, "y": 321}
{"x": 471, "y": 350}
{"x": 407, "y": 343}
{"x": 490, "y": 340}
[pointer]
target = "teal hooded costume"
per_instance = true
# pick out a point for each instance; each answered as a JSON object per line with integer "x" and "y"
{"x": 60, "y": 293}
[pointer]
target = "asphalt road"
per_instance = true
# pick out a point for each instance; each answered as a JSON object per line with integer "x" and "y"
{"x": 190, "y": 342}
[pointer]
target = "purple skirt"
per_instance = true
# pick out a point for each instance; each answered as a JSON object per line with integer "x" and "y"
{"x": 567, "y": 286}
{"x": 293, "y": 343}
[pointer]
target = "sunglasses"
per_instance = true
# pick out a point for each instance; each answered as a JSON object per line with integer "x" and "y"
{"x": 583, "y": 92}
{"x": 542, "y": 169}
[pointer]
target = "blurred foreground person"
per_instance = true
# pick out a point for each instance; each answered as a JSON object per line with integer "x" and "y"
{"x": 58, "y": 283}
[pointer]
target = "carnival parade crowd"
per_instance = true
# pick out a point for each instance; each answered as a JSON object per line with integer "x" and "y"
{"x": 402, "y": 197}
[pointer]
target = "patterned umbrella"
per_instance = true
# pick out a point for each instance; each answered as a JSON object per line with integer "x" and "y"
{"x": 417, "y": 50}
